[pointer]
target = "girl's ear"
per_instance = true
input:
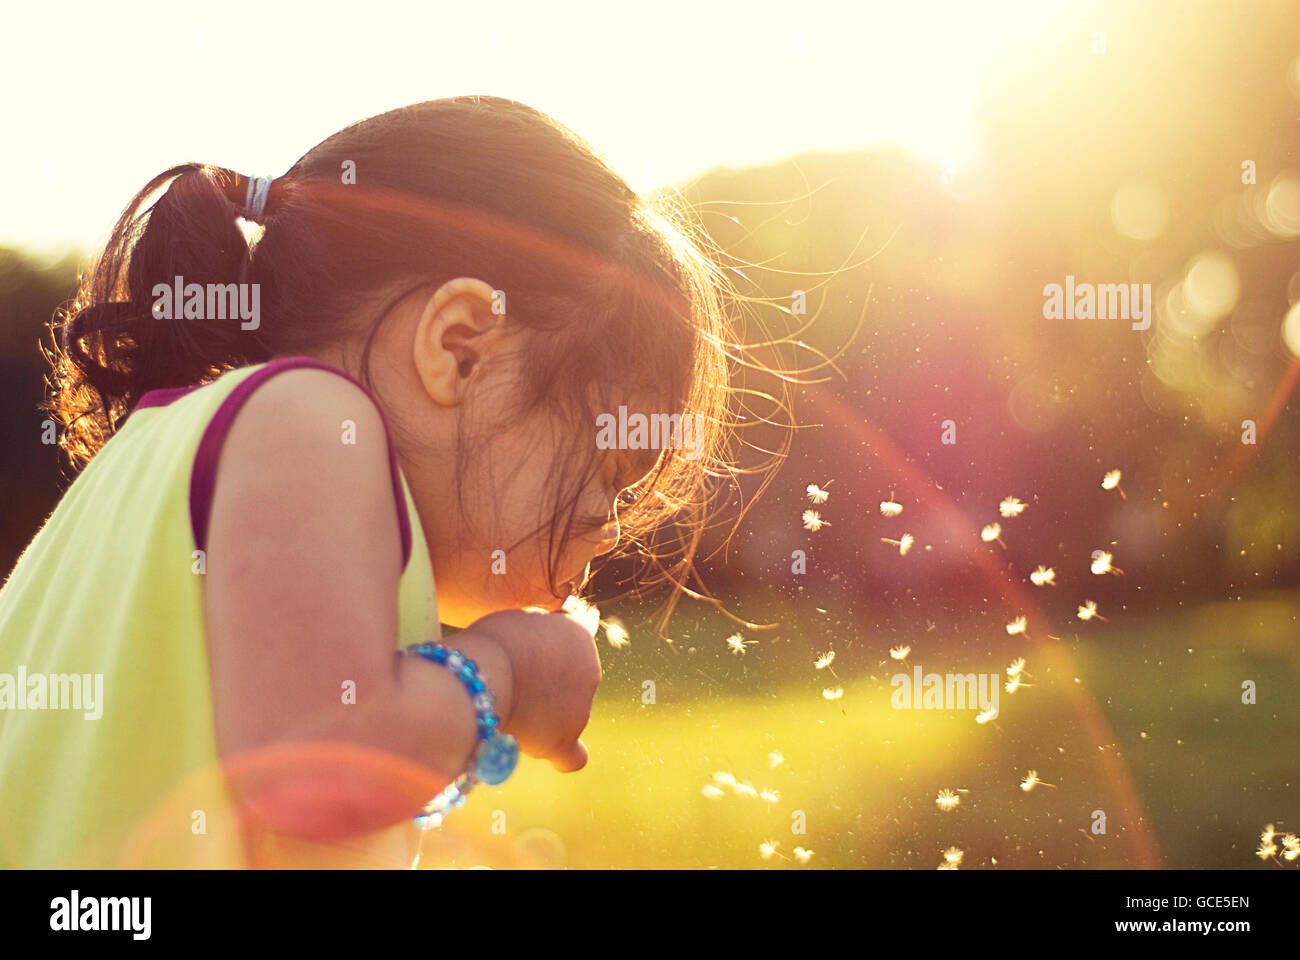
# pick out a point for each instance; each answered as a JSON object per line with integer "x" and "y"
{"x": 457, "y": 330}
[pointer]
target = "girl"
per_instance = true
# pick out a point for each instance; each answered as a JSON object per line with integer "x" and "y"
{"x": 301, "y": 403}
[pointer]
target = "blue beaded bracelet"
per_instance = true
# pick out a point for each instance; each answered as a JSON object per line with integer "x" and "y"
{"x": 495, "y": 756}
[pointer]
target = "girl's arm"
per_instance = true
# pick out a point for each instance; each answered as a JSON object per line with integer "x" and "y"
{"x": 301, "y": 592}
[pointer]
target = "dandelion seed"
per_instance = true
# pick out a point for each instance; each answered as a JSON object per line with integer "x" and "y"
{"x": 726, "y": 779}
{"x": 947, "y": 866}
{"x": 1043, "y": 575}
{"x": 771, "y": 796}
{"x": 768, "y": 848}
{"x": 1266, "y": 850}
{"x": 712, "y": 792}
{"x": 1291, "y": 847}
{"x": 1101, "y": 564}
{"x": 825, "y": 660}
{"x": 1015, "y": 667}
{"x": 1014, "y": 684}
{"x": 802, "y": 855}
{"x": 1017, "y": 625}
{"x": 888, "y": 508}
{"x": 1268, "y": 834}
{"x": 1032, "y": 781}
{"x": 583, "y": 611}
{"x": 953, "y": 855}
{"x": 1111, "y": 482}
{"x": 987, "y": 715}
{"x": 812, "y": 520}
{"x": 1011, "y": 507}
{"x": 616, "y": 634}
{"x": 737, "y": 644}
{"x": 745, "y": 789}
{"x": 900, "y": 653}
{"x": 904, "y": 545}
{"x": 816, "y": 494}
{"x": 1089, "y": 610}
{"x": 833, "y": 694}
{"x": 775, "y": 759}
{"x": 947, "y": 801}
{"x": 992, "y": 532}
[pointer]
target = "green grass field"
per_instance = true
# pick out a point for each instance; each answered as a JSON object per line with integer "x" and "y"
{"x": 1207, "y": 770}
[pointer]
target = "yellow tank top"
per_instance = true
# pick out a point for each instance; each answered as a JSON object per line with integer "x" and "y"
{"x": 108, "y": 754}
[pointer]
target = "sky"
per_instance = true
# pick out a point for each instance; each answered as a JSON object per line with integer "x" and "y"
{"x": 101, "y": 97}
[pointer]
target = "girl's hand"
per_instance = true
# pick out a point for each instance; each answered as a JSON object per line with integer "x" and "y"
{"x": 556, "y": 670}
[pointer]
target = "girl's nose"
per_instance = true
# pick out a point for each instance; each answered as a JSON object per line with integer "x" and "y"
{"x": 608, "y": 537}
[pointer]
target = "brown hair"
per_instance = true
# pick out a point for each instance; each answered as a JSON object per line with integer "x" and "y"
{"x": 610, "y": 293}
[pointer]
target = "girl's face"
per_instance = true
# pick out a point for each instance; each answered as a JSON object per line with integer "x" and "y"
{"x": 487, "y": 479}
{"x": 495, "y": 553}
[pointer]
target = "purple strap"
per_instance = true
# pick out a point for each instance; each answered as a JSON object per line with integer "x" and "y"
{"x": 204, "y": 475}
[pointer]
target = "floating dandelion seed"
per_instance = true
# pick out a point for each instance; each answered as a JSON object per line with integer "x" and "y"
{"x": 1017, "y": 625}
{"x": 802, "y": 855}
{"x": 816, "y": 494}
{"x": 737, "y": 644}
{"x": 1089, "y": 610}
{"x": 616, "y": 634}
{"x": 1014, "y": 684}
{"x": 745, "y": 789}
{"x": 1111, "y": 482}
{"x": 1014, "y": 668}
{"x": 904, "y": 545}
{"x": 768, "y": 848}
{"x": 812, "y": 520}
{"x": 712, "y": 792}
{"x": 1032, "y": 781}
{"x": 1266, "y": 850}
{"x": 888, "y": 508}
{"x": 726, "y": 779}
{"x": 992, "y": 532}
{"x": 1043, "y": 575}
{"x": 1101, "y": 564}
{"x": 953, "y": 855}
{"x": 900, "y": 653}
{"x": 987, "y": 715}
{"x": 825, "y": 660}
{"x": 947, "y": 801}
{"x": 833, "y": 694}
{"x": 771, "y": 796}
{"x": 1011, "y": 507}
{"x": 1268, "y": 833}
{"x": 1290, "y": 847}
{"x": 775, "y": 758}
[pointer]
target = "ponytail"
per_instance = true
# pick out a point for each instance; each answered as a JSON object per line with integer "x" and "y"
{"x": 112, "y": 346}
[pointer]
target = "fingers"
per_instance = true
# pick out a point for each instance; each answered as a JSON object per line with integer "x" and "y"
{"x": 571, "y": 759}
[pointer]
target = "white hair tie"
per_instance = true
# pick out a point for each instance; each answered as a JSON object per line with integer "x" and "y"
{"x": 255, "y": 198}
